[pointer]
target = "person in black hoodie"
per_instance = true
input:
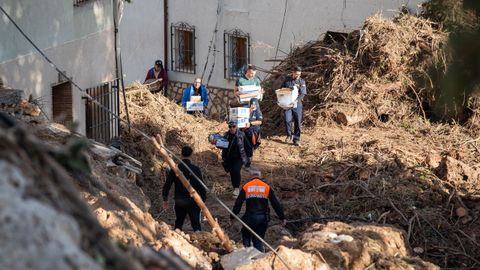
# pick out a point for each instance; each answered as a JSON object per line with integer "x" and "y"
{"x": 234, "y": 157}
{"x": 184, "y": 203}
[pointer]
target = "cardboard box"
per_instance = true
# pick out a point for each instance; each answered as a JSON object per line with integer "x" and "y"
{"x": 194, "y": 106}
{"x": 241, "y": 122}
{"x": 221, "y": 143}
{"x": 239, "y": 112}
{"x": 248, "y": 89}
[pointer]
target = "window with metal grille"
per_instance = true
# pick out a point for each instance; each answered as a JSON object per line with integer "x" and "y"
{"x": 236, "y": 47}
{"x": 183, "y": 48}
{"x": 77, "y": 3}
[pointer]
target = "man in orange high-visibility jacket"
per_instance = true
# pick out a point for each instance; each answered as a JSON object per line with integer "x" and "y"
{"x": 257, "y": 194}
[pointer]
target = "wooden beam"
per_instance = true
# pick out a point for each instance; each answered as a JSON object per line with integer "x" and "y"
{"x": 193, "y": 193}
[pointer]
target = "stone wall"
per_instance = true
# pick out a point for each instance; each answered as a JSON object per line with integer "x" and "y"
{"x": 219, "y": 98}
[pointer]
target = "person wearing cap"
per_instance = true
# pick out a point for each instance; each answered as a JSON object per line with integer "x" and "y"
{"x": 247, "y": 79}
{"x": 234, "y": 157}
{"x": 158, "y": 73}
{"x": 196, "y": 89}
{"x": 295, "y": 113}
{"x": 184, "y": 203}
{"x": 257, "y": 194}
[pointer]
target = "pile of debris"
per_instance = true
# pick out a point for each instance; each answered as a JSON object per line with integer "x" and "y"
{"x": 119, "y": 205}
{"x": 368, "y": 76}
{"x": 12, "y": 101}
{"x": 155, "y": 114}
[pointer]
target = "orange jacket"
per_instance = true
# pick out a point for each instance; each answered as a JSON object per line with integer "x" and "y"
{"x": 257, "y": 194}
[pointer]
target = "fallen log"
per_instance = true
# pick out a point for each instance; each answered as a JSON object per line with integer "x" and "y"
{"x": 193, "y": 193}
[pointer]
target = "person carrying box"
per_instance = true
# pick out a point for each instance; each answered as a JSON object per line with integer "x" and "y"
{"x": 248, "y": 86}
{"x": 295, "y": 112}
{"x": 158, "y": 73}
{"x": 193, "y": 95}
{"x": 234, "y": 156}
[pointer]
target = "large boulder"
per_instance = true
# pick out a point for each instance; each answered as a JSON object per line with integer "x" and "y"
{"x": 33, "y": 234}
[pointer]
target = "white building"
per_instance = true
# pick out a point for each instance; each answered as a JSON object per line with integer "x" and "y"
{"x": 212, "y": 39}
{"x": 77, "y": 36}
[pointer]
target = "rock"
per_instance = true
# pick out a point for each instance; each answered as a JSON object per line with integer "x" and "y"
{"x": 348, "y": 116}
{"x": 214, "y": 256}
{"x": 27, "y": 108}
{"x": 10, "y": 96}
{"x": 294, "y": 258}
{"x": 418, "y": 250}
{"x": 240, "y": 257}
{"x": 275, "y": 234}
{"x": 433, "y": 160}
{"x": 33, "y": 234}
{"x": 357, "y": 252}
{"x": 461, "y": 212}
{"x": 175, "y": 242}
{"x": 454, "y": 170}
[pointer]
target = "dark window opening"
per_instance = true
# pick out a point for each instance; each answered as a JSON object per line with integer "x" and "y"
{"x": 183, "y": 48}
{"x": 237, "y": 53}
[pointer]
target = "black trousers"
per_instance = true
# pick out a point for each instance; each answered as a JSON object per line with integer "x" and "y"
{"x": 184, "y": 207}
{"x": 235, "y": 167}
{"x": 259, "y": 224}
{"x": 294, "y": 114}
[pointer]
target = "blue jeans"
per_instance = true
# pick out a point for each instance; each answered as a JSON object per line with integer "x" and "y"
{"x": 259, "y": 224}
{"x": 294, "y": 114}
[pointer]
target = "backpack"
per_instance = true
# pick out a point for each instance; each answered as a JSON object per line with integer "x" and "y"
{"x": 253, "y": 137}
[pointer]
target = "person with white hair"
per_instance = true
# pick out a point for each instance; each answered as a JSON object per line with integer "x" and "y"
{"x": 257, "y": 195}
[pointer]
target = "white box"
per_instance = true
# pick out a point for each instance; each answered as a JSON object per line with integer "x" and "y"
{"x": 221, "y": 143}
{"x": 194, "y": 106}
{"x": 248, "y": 89}
{"x": 241, "y": 122}
{"x": 195, "y": 98}
{"x": 239, "y": 112}
{"x": 286, "y": 97}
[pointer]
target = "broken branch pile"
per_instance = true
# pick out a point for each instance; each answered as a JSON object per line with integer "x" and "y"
{"x": 366, "y": 76}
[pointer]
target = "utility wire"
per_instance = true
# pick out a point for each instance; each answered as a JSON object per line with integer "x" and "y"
{"x": 281, "y": 28}
{"x": 144, "y": 135}
{"x": 213, "y": 40}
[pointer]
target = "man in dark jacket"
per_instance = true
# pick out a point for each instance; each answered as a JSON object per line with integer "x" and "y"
{"x": 158, "y": 73}
{"x": 234, "y": 157}
{"x": 295, "y": 113}
{"x": 184, "y": 204}
{"x": 257, "y": 194}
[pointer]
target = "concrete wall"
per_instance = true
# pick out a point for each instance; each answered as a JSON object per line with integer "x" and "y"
{"x": 77, "y": 39}
{"x": 141, "y": 37}
{"x": 219, "y": 98}
{"x": 305, "y": 20}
